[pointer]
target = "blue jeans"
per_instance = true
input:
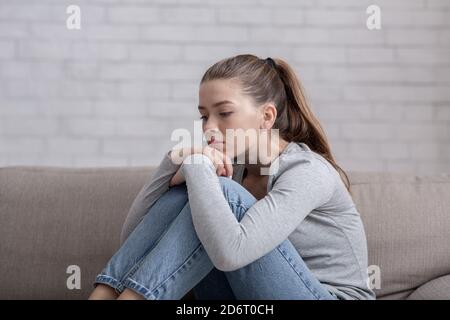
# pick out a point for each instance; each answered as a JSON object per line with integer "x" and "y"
{"x": 163, "y": 258}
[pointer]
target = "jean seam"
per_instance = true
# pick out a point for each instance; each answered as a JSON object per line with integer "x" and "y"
{"x": 300, "y": 275}
{"x": 196, "y": 250}
{"x": 139, "y": 288}
{"x": 132, "y": 270}
{"x": 151, "y": 292}
{"x": 110, "y": 281}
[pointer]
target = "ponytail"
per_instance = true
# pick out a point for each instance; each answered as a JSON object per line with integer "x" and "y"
{"x": 303, "y": 126}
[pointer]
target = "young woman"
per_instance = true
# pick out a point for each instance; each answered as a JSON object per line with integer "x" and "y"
{"x": 292, "y": 234}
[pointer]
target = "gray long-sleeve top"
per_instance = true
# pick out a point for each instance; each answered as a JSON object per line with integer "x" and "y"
{"x": 306, "y": 202}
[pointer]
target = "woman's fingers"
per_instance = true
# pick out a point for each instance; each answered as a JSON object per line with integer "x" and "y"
{"x": 220, "y": 170}
{"x": 228, "y": 165}
{"x": 220, "y": 167}
{"x": 222, "y": 162}
{"x": 226, "y": 161}
{"x": 218, "y": 160}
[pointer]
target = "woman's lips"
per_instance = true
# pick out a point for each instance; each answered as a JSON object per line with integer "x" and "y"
{"x": 214, "y": 142}
{"x": 217, "y": 145}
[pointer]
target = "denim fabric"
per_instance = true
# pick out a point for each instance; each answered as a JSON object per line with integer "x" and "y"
{"x": 163, "y": 258}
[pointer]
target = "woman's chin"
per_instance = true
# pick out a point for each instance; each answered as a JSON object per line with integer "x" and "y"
{"x": 222, "y": 148}
{"x": 233, "y": 155}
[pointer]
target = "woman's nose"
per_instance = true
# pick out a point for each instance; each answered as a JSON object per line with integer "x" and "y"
{"x": 212, "y": 133}
{"x": 210, "y": 124}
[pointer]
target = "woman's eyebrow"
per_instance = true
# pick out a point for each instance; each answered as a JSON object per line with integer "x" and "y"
{"x": 217, "y": 104}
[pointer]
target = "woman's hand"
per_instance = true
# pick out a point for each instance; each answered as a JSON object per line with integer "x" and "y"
{"x": 221, "y": 161}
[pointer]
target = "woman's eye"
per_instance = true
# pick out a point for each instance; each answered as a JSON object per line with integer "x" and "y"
{"x": 223, "y": 114}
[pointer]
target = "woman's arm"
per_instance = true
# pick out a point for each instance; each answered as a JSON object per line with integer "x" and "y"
{"x": 300, "y": 187}
{"x": 166, "y": 175}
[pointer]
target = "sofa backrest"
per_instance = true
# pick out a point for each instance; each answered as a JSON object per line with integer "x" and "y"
{"x": 56, "y": 221}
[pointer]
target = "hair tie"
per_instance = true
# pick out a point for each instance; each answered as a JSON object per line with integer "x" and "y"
{"x": 270, "y": 61}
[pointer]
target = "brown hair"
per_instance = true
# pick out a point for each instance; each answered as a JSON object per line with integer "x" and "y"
{"x": 274, "y": 80}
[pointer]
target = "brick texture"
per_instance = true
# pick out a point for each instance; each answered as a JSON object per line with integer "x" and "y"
{"x": 111, "y": 93}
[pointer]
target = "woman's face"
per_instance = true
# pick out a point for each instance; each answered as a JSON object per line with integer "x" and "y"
{"x": 222, "y": 106}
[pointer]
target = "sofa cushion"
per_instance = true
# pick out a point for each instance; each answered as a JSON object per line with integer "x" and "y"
{"x": 407, "y": 223}
{"x": 55, "y": 217}
{"x": 437, "y": 289}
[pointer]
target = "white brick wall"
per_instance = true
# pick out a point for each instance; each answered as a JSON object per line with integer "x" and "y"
{"x": 111, "y": 93}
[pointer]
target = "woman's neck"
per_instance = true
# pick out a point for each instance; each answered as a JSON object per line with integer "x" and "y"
{"x": 254, "y": 170}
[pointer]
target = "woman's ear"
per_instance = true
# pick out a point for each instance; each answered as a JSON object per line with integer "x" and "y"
{"x": 268, "y": 116}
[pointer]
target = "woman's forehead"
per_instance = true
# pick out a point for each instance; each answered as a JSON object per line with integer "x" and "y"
{"x": 215, "y": 91}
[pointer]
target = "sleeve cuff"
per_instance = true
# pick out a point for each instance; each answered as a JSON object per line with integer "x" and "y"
{"x": 196, "y": 161}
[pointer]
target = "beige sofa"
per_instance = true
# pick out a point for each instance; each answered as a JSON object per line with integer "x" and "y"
{"x": 56, "y": 217}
